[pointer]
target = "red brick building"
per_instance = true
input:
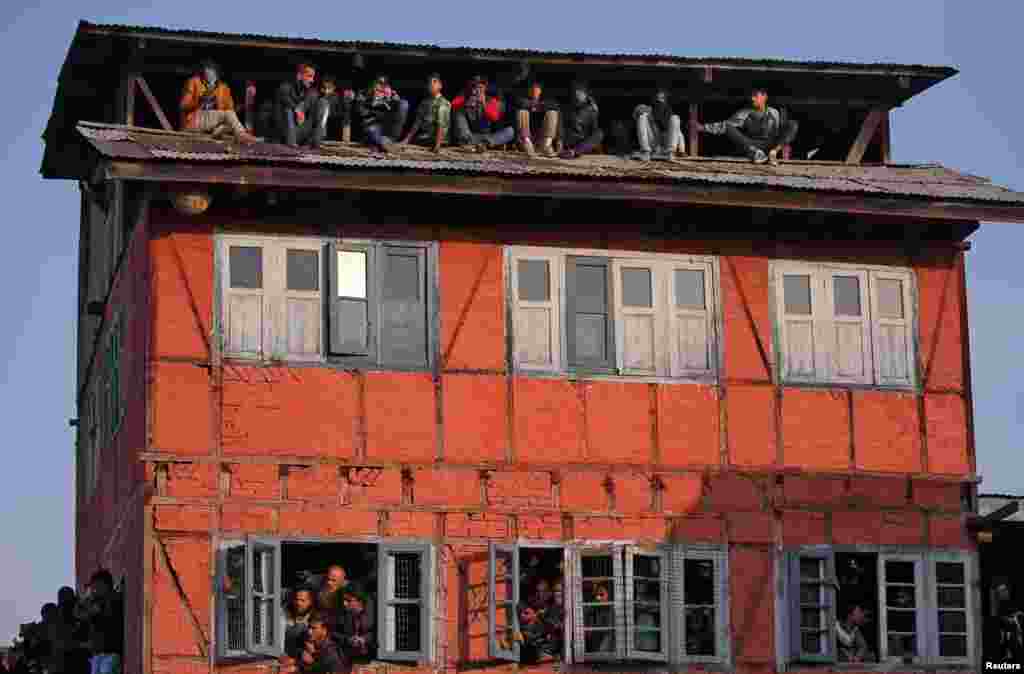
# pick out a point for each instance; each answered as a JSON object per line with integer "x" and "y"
{"x": 719, "y": 403}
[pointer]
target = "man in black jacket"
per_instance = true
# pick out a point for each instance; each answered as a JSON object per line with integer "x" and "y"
{"x": 581, "y": 132}
{"x": 658, "y": 129}
{"x": 537, "y": 120}
{"x": 758, "y": 131}
{"x": 298, "y": 110}
{"x": 382, "y": 113}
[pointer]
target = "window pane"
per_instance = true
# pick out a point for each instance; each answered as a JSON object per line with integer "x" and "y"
{"x": 650, "y": 616}
{"x": 902, "y": 621}
{"x": 890, "y": 298}
{"x": 797, "y": 294}
{"x": 597, "y": 566}
{"x": 648, "y": 641}
{"x": 952, "y": 597}
{"x": 646, "y": 567}
{"x": 303, "y": 270}
{"x": 599, "y": 641}
{"x": 902, "y": 644}
{"x": 591, "y": 289}
{"x": 810, "y": 594}
{"x": 810, "y": 568}
{"x": 900, "y": 596}
{"x": 534, "y": 281}
{"x": 591, "y": 337}
{"x": 699, "y": 581}
{"x": 402, "y": 281}
{"x": 407, "y": 575}
{"x": 636, "y": 288}
{"x": 847, "y": 295}
{"x": 598, "y": 591}
{"x": 352, "y": 274}
{"x": 810, "y": 642}
{"x": 407, "y": 627}
{"x": 899, "y": 572}
{"x": 234, "y": 597}
{"x": 245, "y": 264}
{"x": 647, "y": 590}
{"x": 690, "y": 289}
{"x": 700, "y": 631}
{"x": 951, "y": 646}
{"x": 953, "y": 621}
{"x": 598, "y": 616}
{"x": 810, "y": 618}
{"x": 949, "y": 573}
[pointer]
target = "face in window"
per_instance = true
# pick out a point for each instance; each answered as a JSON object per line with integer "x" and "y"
{"x": 306, "y": 75}
{"x": 336, "y": 579}
{"x": 354, "y": 603}
{"x": 556, "y": 592}
{"x": 317, "y": 631}
{"x": 601, "y": 594}
{"x": 528, "y": 615}
{"x": 542, "y": 592}
{"x": 535, "y": 91}
{"x": 302, "y": 602}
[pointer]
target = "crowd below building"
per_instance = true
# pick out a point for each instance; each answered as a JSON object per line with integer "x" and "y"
{"x": 80, "y": 634}
{"x": 313, "y": 108}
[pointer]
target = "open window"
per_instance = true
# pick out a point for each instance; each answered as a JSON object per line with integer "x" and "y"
{"x": 388, "y": 586}
{"x": 885, "y": 606}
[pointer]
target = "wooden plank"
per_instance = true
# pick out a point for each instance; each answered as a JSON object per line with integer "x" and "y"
{"x": 885, "y": 137}
{"x": 153, "y": 103}
{"x": 694, "y": 139}
{"x": 285, "y": 177}
{"x": 867, "y": 132}
{"x": 129, "y": 100}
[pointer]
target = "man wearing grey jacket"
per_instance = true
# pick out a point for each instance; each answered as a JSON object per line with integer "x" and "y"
{"x": 758, "y": 131}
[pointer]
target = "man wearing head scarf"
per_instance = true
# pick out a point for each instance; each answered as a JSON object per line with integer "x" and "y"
{"x": 478, "y": 119}
{"x": 658, "y": 129}
{"x": 581, "y": 132}
{"x": 207, "y": 106}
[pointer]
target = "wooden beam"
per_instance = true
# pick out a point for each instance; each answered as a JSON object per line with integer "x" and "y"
{"x": 128, "y": 100}
{"x": 153, "y": 103}
{"x": 885, "y": 137}
{"x": 867, "y": 132}
{"x": 679, "y": 193}
{"x": 694, "y": 139}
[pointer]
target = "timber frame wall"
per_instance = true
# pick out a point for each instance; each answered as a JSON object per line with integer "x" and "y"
{"x": 469, "y": 452}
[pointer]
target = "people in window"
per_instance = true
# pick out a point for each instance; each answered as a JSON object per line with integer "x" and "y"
{"x": 850, "y": 641}
{"x": 433, "y": 117}
{"x": 207, "y": 105}
{"x": 601, "y": 616}
{"x": 478, "y": 120}
{"x": 336, "y": 110}
{"x": 581, "y": 131}
{"x": 300, "y": 608}
{"x": 355, "y": 628}
{"x": 534, "y": 635}
{"x": 298, "y": 111}
{"x": 537, "y": 121}
{"x": 320, "y": 654}
{"x": 658, "y": 129}
{"x": 382, "y": 113}
{"x": 758, "y": 132}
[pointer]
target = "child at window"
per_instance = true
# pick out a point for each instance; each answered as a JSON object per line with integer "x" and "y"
{"x": 355, "y": 628}
{"x": 533, "y": 635}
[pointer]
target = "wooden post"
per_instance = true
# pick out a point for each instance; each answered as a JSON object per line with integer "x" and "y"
{"x": 127, "y": 99}
{"x": 885, "y": 137}
{"x": 153, "y": 103}
{"x": 694, "y": 134}
{"x": 867, "y": 132}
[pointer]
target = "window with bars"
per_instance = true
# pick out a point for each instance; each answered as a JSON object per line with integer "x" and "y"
{"x": 254, "y": 577}
{"x": 659, "y": 604}
{"x": 885, "y": 606}
{"x": 844, "y": 325}
{"x": 362, "y": 303}
{"x": 613, "y": 313}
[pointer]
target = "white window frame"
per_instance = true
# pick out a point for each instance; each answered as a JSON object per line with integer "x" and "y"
{"x": 428, "y": 601}
{"x": 926, "y": 593}
{"x": 824, "y": 323}
{"x": 669, "y": 362}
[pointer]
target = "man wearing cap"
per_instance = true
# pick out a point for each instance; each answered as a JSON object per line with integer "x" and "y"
{"x": 537, "y": 119}
{"x": 433, "y": 117}
{"x": 477, "y": 117}
{"x": 207, "y": 106}
{"x": 658, "y": 129}
{"x": 757, "y": 131}
{"x": 581, "y": 132}
{"x": 382, "y": 113}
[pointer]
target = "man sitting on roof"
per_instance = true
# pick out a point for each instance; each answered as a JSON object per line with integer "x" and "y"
{"x": 298, "y": 111}
{"x": 336, "y": 112}
{"x": 207, "y": 106}
{"x": 756, "y": 129}
{"x": 382, "y": 112}
{"x": 537, "y": 120}
{"x": 658, "y": 129}
{"x": 581, "y": 133}
{"x": 433, "y": 117}
{"x": 477, "y": 117}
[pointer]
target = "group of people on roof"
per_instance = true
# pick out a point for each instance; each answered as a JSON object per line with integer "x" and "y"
{"x": 309, "y": 109}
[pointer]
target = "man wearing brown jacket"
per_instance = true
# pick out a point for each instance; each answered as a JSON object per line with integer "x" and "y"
{"x": 207, "y": 106}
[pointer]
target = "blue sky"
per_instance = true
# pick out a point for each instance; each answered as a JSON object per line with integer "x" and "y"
{"x": 966, "y": 123}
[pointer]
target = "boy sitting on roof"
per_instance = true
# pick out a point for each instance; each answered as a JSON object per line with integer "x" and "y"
{"x": 207, "y": 106}
{"x": 537, "y": 120}
{"x": 658, "y": 129}
{"x": 382, "y": 112}
{"x": 756, "y": 129}
{"x": 477, "y": 117}
{"x": 298, "y": 111}
{"x": 336, "y": 111}
{"x": 581, "y": 133}
{"x": 433, "y": 116}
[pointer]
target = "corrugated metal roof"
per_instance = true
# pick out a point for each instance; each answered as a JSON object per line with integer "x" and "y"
{"x": 200, "y": 36}
{"x": 991, "y": 503}
{"x": 930, "y": 180}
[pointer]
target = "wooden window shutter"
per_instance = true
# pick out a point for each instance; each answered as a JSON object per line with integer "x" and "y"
{"x": 812, "y": 607}
{"x": 891, "y": 326}
{"x": 589, "y": 327}
{"x": 647, "y": 604}
{"x": 263, "y": 596}
{"x": 844, "y": 327}
{"x": 301, "y": 309}
{"x": 404, "y": 615}
{"x": 535, "y": 291}
{"x": 404, "y": 338}
{"x": 246, "y": 327}
{"x": 795, "y": 307}
{"x": 503, "y": 601}
{"x": 351, "y": 300}
{"x": 692, "y": 311}
{"x": 639, "y": 298}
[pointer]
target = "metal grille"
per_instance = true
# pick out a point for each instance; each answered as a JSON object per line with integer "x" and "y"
{"x": 699, "y": 607}
{"x": 234, "y": 604}
{"x": 952, "y": 604}
{"x": 407, "y": 575}
{"x": 407, "y": 627}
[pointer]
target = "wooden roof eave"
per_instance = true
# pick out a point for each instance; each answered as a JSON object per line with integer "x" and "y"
{"x": 675, "y": 194}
